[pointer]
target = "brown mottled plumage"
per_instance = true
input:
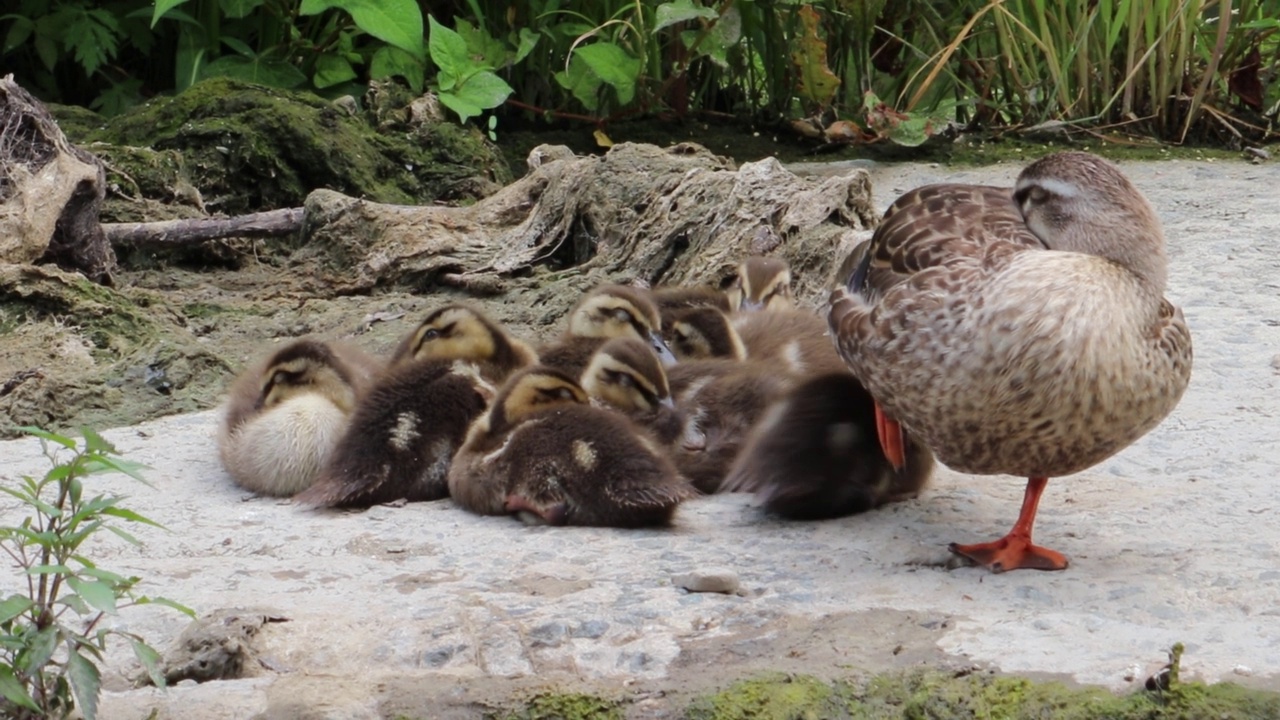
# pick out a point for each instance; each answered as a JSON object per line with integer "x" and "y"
{"x": 625, "y": 375}
{"x": 461, "y": 332}
{"x": 798, "y": 341}
{"x": 285, "y": 413}
{"x": 609, "y": 311}
{"x": 815, "y": 454}
{"x": 703, "y": 333}
{"x": 1019, "y": 331}
{"x": 544, "y": 453}
{"x": 675, "y": 298}
{"x": 762, "y": 283}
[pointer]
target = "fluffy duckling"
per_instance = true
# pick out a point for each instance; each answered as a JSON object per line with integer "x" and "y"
{"x": 796, "y": 340}
{"x": 720, "y": 400}
{"x": 675, "y": 298}
{"x": 406, "y": 430}
{"x": 609, "y": 311}
{"x": 625, "y": 375}
{"x": 459, "y": 332}
{"x": 762, "y": 283}
{"x": 815, "y": 454}
{"x": 544, "y": 453}
{"x": 286, "y": 413}
{"x": 703, "y": 333}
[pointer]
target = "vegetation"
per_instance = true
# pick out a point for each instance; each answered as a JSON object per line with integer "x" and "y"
{"x": 50, "y": 638}
{"x": 1178, "y": 69}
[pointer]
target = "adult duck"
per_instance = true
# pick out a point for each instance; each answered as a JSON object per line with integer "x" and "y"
{"x": 1020, "y": 332}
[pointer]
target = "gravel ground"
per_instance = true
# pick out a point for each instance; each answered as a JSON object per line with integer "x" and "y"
{"x": 1175, "y": 539}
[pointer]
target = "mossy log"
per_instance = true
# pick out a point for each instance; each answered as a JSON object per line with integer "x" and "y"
{"x": 641, "y": 213}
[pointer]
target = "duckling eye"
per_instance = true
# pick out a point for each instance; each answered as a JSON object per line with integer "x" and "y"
{"x": 565, "y": 394}
{"x": 622, "y": 316}
{"x": 431, "y": 334}
{"x": 623, "y": 379}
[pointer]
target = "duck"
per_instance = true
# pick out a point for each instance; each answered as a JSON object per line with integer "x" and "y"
{"x": 762, "y": 282}
{"x": 1017, "y": 331}
{"x": 625, "y": 375}
{"x": 703, "y": 333}
{"x": 609, "y": 311}
{"x": 674, "y": 298}
{"x": 285, "y": 413}
{"x": 815, "y": 454}
{"x": 796, "y": 340}
{"x": 406, "y": 429}
{"x": 542, "y": 452}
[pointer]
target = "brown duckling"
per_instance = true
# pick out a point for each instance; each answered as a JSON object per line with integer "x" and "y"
{"x": 676, "y": 298}
{"x": 542, "y": 452}
{"x": 797, "y": 340}
{"x": 815, "y": 454}
{"x": 702, "y": 333}
{"x": 762, "y": 283}
{"x": 721, "y": 401}
{"x": 285, "y": 413}
{"x": 404, "y": 434}
{"x": 625, "y": 375}
{"x": 459, "y": 332}
{"x": 609, "y": 311}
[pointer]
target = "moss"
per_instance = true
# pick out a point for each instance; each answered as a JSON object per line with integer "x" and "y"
{"x": 568, "y": 706}
{"x": 248, "y": 148}
{"x": 931, "y": 695}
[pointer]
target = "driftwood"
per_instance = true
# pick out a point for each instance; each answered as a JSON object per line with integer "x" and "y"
{"x": 650, "y": 215}
{"x": 50, "y": 191}
{"x": 273, "y": 223}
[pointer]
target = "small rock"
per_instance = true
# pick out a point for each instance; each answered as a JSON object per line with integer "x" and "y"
{"x": 1242, "y": 670}
{"x": 716, "y": 580}
{"x": 1257, "y": 155}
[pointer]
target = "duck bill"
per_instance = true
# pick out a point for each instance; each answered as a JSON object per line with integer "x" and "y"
{"x": 659, "y": 346}
{"x": 668, "y": 403}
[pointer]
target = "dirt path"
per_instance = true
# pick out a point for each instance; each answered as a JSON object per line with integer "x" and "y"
{"x": 424, "y": 606}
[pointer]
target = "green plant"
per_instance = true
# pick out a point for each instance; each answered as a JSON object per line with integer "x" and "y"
{"x": 50, "y": 639}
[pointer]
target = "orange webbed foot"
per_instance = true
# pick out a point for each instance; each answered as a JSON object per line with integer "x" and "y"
{"x": 1011, "y": 552}
{"x": 891, "y": 442}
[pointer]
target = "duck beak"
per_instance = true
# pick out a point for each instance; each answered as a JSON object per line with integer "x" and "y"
{"x": 660, "y": 347}
{"x": 668, "y": 403}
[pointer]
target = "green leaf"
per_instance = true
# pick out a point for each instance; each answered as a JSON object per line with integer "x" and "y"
{"x": 680, "y": 11}
{"x": 144, "y": 600}
{"x": 236, "y": 9}
{"x": 95, "y": 443}
{"x": 150, "y": 660}
{"x": 102, "y": 464}
{"x": 584, "y": 84}
{"x": 162, "y": 7}
{"x": 76, "y": 603}
{"x": 49, "y": 570}
{"x": 189, "y": 60}
{"x": 18, "y": 33}
{"x": 485, "y": 90}
{"x": 14, "y": 606}
{"x": 464, "y": 107}
{"x": 14, "y": 691}
{"x": 131, "y": 516}
{"x": 105, "y": 575}
{"x": 396, "y": 22}
{"x": 85, "y": 683}
{"x": 490, "y": 52}
{"x": 332, "y": 69}
{"x": 264, "y": 71}
{"x": 614, "y": 66}
{"x": 391, "y": 61}
{"x": 528, "y": 39}
{"x": 62, "y": 440}
{"x": 448, "y": 49}
{"x": 95, "y": 592}
{"x": 39, "y": 649}
{"x": 48, "y": 52}
{"x": 125, "y": 536}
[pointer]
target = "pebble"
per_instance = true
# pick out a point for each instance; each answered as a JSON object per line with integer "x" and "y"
{"x": 718, "y": 580}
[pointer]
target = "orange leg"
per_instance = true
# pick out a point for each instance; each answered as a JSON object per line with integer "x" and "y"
{"x": 1015, "y": 550}
{"x": 891, "y": 442}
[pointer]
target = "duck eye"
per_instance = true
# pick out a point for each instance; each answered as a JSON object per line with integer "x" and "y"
{"x": 622, "y": 316}
{"x": 431, "y": 334}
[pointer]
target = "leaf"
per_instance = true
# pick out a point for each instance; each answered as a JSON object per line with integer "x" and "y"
{"x": 601, "y": 138}
{"x": 614, "y": 66}
{"x": 18, "y": 33}
{"x": 100, "y": 574}
{"x": 95, "y": 592}
{"x": 162, "y": 7}
{"x": 528, "y": 39}
{"x": 817, "y": 83}
{"x": 150, "y": 660}
{"x": 396, "y": 22}
{"x": 95, "y": 443}
{"x": 188, "y": 64}
{"x": 102, "y": 464}
{"x": 448, "y": 49}
{"x": 144, "y": 600}
{"x": 62, "y": 440}
{"x": 485, "y": 89}
{"x": 14, "y": 606}
{"x": 723, "y": 35}
{"x": 123, "y": 535}
{"x": 391, "y": 61}
{"x": 49, "y": 570}
{"x": 264, "y": 71}
{"x": 14, "y": 691}
{"x": 48, "y": 52}
{"x": 490, "y": 52}
{"x": 236, "y": 9}
{"x": 465, "y": 108}
{"x": 85, "y": 683}
{"x": 76, "y": 603}
{"x": 332, "y": 69}
{"x": 680, "y": 11}
{"x": 39, "y": 649}
{"x": 584, "y": 84}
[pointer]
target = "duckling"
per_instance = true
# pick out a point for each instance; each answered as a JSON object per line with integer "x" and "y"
{"x": 405, "y": 432}
{"x": 797, "y": 340}
{"x": 285, "y": 413}
{"x": 720, "y": 400}
{"x": 815, "y": 454}
{"x": 702, "y": 333}
{"x": 675, "y": 298}
{"x": 625, "y": 375}
{"x": 544, "y": 453}
{"x": 609, "y": 311}
{"x": 461, "y": 332}
{"x": 402, "y": 436}
{"x": 762, "y": 283}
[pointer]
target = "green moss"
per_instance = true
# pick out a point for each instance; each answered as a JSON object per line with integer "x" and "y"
{"x": 248, "y": 148}
{"x": 568, "y": 706}
{"x": 940, "y": 696}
